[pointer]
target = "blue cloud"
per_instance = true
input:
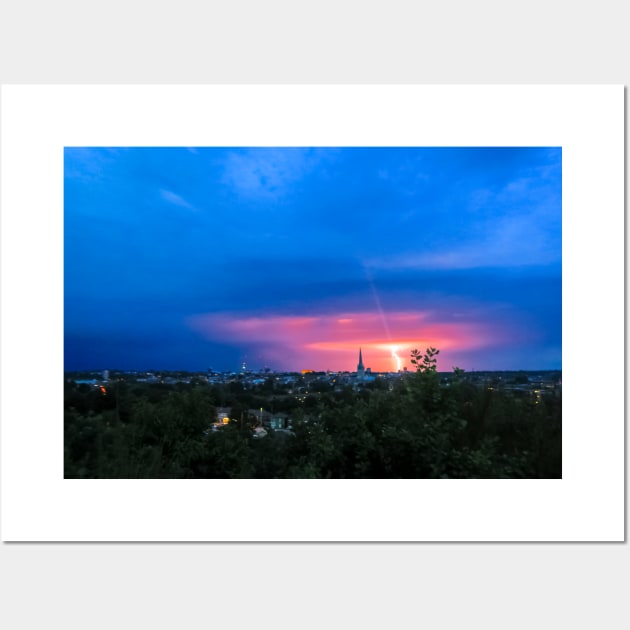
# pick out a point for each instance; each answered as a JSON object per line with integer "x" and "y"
{"x": 156, "y": 235}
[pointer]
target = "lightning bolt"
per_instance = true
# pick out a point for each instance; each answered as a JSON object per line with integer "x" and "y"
{"x": 396, "y": 357}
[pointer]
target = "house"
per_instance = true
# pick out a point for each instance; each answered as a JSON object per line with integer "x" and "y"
{"x": 259, "y": 415}
{"x": 223, "y": 415}
{"x": 279, "y": 421}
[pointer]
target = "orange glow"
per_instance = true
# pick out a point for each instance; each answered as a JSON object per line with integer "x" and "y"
{"x": 333, "y": 341}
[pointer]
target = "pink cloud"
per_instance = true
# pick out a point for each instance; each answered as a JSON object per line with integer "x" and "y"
{"x": 332, "y": 341}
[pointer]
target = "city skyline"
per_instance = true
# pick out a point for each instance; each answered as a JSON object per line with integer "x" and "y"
{"x": 294, "y": 258}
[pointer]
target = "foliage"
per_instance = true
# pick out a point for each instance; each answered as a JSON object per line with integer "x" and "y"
{"x": 424, "y": 427}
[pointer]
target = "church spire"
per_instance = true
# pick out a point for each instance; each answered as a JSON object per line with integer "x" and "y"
{"x": 360, "y": 368}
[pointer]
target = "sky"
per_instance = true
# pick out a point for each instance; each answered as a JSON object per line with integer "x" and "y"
{"x": 296, "y": 258}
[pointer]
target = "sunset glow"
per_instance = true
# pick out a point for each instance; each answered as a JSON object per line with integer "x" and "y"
{"x": 331, "y": 342}
{"x": 294, "y": 258}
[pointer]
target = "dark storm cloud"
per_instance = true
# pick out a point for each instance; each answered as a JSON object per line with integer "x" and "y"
{"x": 155, "y": 236}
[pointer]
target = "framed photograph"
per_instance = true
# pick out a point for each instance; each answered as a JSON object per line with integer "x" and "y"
{"x": 312, "y": 313}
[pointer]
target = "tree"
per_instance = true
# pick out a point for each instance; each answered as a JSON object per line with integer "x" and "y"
{"x": 427, "y": 363}
{"x": 426, "y": 426}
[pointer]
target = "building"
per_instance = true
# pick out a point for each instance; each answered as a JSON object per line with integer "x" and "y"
{"x": 360, "y": 367}
{"x": 279, "y": 421}
{"x": 223, "y": 415}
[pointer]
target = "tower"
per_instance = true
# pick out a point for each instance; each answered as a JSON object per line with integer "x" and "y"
{"x": 360, "y": 368}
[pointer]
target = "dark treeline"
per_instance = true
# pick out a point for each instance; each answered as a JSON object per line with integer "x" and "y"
{"x": 422, "y": 428}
